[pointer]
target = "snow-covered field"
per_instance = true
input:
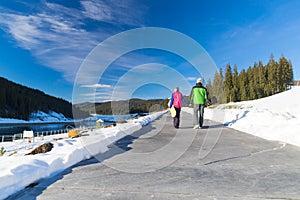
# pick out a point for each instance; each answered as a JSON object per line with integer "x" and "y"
{"x": 18, "y": 171}
{"x": 273, "y": 118}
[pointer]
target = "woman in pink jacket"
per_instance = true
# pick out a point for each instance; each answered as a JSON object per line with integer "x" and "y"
{"x": 176, "y": 101}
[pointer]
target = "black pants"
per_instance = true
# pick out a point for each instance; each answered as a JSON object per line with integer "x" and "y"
{"x": 176, "y": 119}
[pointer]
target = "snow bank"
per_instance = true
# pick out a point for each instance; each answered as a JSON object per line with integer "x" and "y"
{"x": 149, "y": 118}
{"x": 18, "y": 171}
{"x": 273, "y": 118}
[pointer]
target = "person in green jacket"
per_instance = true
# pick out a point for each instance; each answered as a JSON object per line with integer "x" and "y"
{"x": 198, "y": 98}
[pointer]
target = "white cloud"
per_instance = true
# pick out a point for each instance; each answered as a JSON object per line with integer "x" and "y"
{"x": 191, "y": 78}
{"x": 97, "y": 10}
{"x": 105, "y": 95}
{"x": 55, "y": 43}
{"x": 96, "y": 96}
{"x": 22, "y": 28}
{"x": 59, "y": 36}
{"x": 97, "y": 86}
{"x": 114, "y": 11}
{"x": 93, "y": 94}
{"x": 63, "y": 11}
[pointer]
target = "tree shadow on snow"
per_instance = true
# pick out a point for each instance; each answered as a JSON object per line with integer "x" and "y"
{"x": 237, "y": 118}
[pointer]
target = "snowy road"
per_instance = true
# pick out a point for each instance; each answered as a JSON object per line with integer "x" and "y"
{"x": 159, "y": 162}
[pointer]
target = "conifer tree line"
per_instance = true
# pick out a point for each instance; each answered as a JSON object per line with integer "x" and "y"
{"x": 256, "y": 82}
{"x": 17, "y": 101}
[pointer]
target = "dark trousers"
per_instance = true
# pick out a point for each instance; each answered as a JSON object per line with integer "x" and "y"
{"x": 176, "y": 119}
{"x": 198, "y": 114}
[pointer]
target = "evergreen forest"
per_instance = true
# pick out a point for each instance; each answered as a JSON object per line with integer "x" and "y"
{"x": 125, "y": 106}
{"x": 256, "y": 82}
{"x": 18, "y": 101}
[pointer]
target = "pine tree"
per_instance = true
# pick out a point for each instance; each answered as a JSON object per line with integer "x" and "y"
{"x": 218, "y": 87}
{"x": 2, "y": 97}
{"x": 290, "y": 73}
{"x": 267, "y": 86}
{"x": 287, "y": 71}
{"x": 272, "y": 75}
{"x": 209, "y": 87}
{"x": 244, "y": 85}
{"x": 221, "y": 91}
{"x": 236, "y": 85}
{"x": 262, "y": 80}
{"x": 251, "y": 84}
{"x": 280, "y": 76}
{"x": 255, "y": 81}
{"x": 228, "y": 84}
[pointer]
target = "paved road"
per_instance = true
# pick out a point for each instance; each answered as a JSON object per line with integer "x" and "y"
{"x": 160, "y": 162}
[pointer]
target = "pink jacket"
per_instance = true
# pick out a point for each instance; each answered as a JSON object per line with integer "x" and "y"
{"x": 176, "y": 100}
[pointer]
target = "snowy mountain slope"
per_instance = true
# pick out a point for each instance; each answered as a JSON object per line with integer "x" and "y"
{"x": 39, "y": 116}
{"x": 47, "y": 117}
{"x": 273, "y": 118}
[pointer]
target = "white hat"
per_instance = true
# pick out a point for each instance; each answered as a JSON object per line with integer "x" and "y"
{"x": 199, "y": 80}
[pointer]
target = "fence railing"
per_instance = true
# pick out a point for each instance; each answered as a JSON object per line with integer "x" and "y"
{"x": 18, "y": 136}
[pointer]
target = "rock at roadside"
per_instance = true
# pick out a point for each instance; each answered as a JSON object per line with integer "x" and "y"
{"x": 44, "y": 148}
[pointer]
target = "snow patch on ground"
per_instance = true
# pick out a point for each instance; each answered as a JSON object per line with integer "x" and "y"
{"x": 273, "y": 118}
{"x": 18, "y": 171}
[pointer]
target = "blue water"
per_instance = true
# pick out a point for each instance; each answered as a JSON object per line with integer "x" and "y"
{"x": 12, "y": 129}
{"x": 44, "y": 127}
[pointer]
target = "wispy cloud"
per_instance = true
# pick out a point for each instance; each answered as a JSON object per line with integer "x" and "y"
{"x": 60, "y": 37}
{"x": 93, "y": 94}
{"x": 97, "y": 10}
{"x": 191, "y": 78}
{"x": 97, "y": 86}
{"x": 114, "y": 11}
{"x": 104, "y": 95}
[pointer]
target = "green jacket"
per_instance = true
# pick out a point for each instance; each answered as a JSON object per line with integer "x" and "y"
{"x": 198, "y": 94}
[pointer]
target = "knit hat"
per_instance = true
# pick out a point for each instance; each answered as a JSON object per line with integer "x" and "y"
{"x": 199, "y": 80}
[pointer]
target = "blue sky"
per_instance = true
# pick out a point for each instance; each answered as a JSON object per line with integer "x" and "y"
{"x": 44, "y": 43}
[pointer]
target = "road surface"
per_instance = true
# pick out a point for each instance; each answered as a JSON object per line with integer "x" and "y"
{"x": 161, "y": 162}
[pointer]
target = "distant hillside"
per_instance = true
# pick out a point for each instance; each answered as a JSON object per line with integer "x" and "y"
{"x": 18, "y": 101}
{"x": 125, "y": 106}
